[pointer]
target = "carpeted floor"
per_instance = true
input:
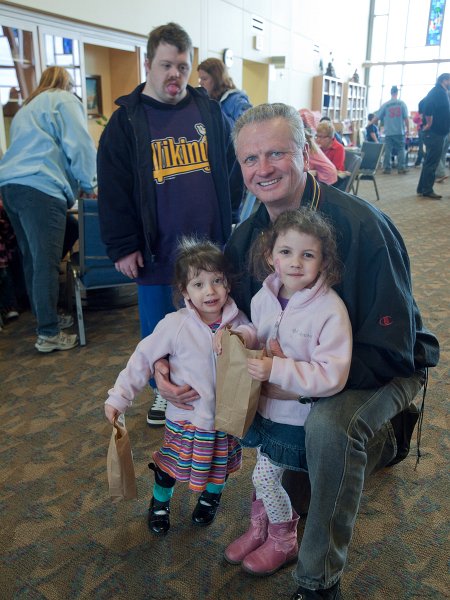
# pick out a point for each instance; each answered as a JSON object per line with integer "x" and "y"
{"x": 62, "y": 538}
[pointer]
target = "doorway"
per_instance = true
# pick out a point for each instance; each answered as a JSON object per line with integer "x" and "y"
{"x": 255, "y": 81}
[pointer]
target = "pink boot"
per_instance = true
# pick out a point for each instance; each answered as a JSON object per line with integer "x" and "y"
{"x": 280, "y": 548}
{"x": 254, "y": 537}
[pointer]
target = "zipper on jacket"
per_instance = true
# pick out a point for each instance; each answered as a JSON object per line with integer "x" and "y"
{"x": 274, "y": 332}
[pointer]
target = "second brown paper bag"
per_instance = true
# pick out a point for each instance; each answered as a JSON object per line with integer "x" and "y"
{"x": 237, "y": 393}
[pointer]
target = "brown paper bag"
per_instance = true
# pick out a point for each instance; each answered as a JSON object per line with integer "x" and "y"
{"x": 237, "y": 393}
{"x": 119, "y": 462}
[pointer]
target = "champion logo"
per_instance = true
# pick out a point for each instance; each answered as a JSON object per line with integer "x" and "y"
{"x": 386, "y": 321}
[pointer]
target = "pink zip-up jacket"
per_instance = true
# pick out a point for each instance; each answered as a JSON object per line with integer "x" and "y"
{"x": 188, "y": 342}
{"x": 315, "y": 334}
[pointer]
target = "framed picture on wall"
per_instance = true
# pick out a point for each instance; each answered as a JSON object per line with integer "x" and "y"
{"x": 94, "y": 96}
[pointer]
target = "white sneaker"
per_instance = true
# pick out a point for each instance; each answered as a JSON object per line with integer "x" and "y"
{"x": 61, "y": 341}
{"x": 157, "y": 414}
{"x": 65, "y": 321}
{"x": 11, "y": 314}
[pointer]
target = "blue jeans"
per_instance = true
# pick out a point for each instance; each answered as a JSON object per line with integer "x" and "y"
{"x": 397, "y": 143}
{"x": 440, "y": 170}
{"x": 433, "y": 144}
{"x": 39, "y": 222}
{"x": 155, "y": 302}
{"x": 339, "y": 431}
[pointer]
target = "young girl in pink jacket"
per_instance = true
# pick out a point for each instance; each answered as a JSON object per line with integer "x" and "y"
{"x": 192, "y": 450}
{"x": 306, "y": 330}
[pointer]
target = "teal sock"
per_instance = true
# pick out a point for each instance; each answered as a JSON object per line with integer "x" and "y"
{"x": 214, "y": 488}
{"x": 162, "y": 494}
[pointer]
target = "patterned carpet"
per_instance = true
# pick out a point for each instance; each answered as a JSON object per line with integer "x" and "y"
{"x": 62, "y": 538}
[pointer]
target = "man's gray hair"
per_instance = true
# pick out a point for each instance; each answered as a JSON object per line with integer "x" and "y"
{"x": 267, "y": 112}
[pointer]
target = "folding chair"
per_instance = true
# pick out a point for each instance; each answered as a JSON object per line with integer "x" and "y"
{"x": 352, "y": 164}
{"x": 371, "y": 156}
{"x": 91, "y": 268}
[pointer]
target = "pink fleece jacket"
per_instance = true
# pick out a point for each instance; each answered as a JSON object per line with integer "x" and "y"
{"x": 326, "y": 172}
{"x": 188, "y": 342}
{"x": 315, "y": 334}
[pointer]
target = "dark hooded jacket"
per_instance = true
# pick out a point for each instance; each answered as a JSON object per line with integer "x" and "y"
{"x": 126, "y": 195}
{"x": 389, "y": 338}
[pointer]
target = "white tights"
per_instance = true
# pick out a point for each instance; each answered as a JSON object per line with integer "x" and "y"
{"x": 267, "y": 482}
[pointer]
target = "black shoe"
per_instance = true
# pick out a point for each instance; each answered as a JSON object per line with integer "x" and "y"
{"x": 332, "y": 593}
{"x": 432, "y": 195}
{"x": 158, "y": 517}
{"x": 205, "y": 511}
{"x": 157, "y": 414}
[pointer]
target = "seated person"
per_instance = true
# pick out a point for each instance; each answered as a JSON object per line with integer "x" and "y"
{"x": 337, "y": 135}
{"x": 326, "y": 138}
{"x": 372, "y": 132}
{"x": 319, "y": 165}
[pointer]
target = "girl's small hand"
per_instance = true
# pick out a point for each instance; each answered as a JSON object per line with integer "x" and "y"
{"x": 260, "y": 368}
{"x": 275, "y": 348}
{"x": 111, "y": 413}
{"x": 217, "y": 341}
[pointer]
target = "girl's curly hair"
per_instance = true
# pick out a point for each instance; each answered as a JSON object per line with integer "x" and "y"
{"x": 195, "y": 255}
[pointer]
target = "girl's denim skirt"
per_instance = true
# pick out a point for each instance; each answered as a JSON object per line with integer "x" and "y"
{"x": 283, "y": 444}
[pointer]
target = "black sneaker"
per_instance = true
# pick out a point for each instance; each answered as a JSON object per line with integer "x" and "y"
{"x": 157, "y": 414}
{"x": 332, "y": 593}
{"x": 206, "y": 509}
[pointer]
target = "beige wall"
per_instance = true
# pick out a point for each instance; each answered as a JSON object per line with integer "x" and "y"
{"x": 293, "y": 29}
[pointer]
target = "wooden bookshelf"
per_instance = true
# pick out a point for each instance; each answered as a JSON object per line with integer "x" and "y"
{"x": 328, "y": 97}
{"x": 354, "y": 105}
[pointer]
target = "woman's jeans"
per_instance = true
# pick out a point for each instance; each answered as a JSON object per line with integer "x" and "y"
{"x": 39, "y": 223}
{"x": 338, "y": 432}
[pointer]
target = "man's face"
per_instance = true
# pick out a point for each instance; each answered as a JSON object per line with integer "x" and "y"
{"x": 168, "y": 74}
{"x": 272, "y": 165}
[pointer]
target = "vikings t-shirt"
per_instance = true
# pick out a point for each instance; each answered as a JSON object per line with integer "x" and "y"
{"x": 186, "y": 200}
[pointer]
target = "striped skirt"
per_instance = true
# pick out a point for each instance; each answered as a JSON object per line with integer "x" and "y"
{"x": 196, "y": 456}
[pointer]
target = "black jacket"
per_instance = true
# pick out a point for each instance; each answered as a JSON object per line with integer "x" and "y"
{"x": 126, "y": 194}
{"x": 389, "y": 339}
{"x": 436, "y": 104}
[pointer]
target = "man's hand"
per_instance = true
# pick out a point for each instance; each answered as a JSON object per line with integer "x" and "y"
{"x": 180, "y": 396}
{"x": 260, "y": 368}
{"x": 128, "y": 265}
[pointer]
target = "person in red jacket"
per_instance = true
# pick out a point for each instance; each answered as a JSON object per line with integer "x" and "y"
{"x": 325, "y": 136}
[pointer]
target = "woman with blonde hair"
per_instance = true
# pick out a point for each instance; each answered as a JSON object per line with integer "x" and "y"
{"x": 50, "y": 160}
{"x": 213, "y": 76}
{"x": 319, "y": 165}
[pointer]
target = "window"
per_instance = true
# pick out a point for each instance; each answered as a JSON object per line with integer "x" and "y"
{"x": 17, "y": 71}
{"x": 64, "y": 52}
{"x": 399, "y": 35}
